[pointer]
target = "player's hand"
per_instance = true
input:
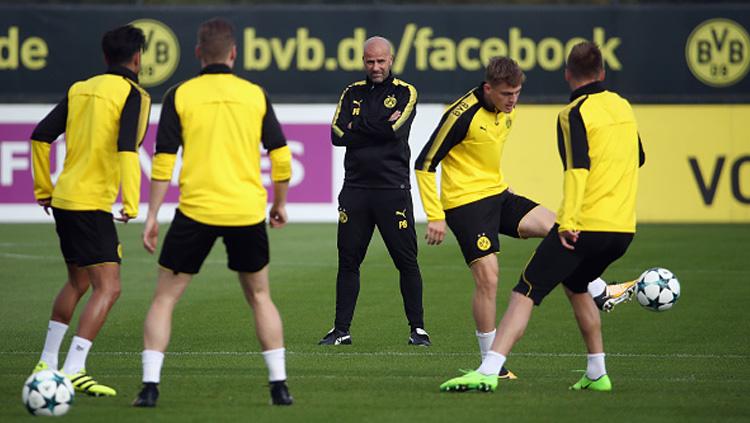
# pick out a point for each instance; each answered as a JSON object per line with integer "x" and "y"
{"x": 46, "y": 203}
{"x": 435, "y": 232}
{"x": 394, "y": 117}
{"x": 124, "y": 217}
{"x": 277, "y": 216}
{"x": 568, "y": 238}
{"x": 151, "y": 234}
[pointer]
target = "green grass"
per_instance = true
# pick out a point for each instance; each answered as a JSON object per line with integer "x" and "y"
{"x": 688, "y": 364}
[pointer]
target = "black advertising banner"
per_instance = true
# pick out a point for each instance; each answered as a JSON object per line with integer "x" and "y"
{"x": 653, "y": 54}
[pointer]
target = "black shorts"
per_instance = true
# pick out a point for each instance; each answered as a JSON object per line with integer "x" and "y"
{"x": 188, "y": 243}
{"x": 87, "y": 237}
{"x": 476, "y": 225}
{"x": 552, "y": 263}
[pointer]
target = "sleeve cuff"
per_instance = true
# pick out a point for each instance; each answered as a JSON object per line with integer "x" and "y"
{"x": 281, "y": 164}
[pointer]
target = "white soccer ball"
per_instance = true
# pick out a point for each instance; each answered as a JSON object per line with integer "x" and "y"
{"x": 48, "y": 393}
{"x": 657, "y": 289}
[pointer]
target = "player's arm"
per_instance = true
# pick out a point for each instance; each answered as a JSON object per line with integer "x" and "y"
{"x": 133, "y": 124}
{"x": 399, "y": 118}
{"x": 45, "y": 133}
{"x": 574, "y": 152}
{"x": 168, "y": 142}
{"x": 341, "y": 127}
{"x": 406, "y": 109}
{"x": 281, "y": 165}
{"x": 452, "y": 129}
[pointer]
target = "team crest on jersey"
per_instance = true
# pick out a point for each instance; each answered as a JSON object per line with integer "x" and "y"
{"x": 483, "y": 243}
{"x": 343, "y": 217}
{"x": 390, "y": 101}
{"x": 508, "y": 122}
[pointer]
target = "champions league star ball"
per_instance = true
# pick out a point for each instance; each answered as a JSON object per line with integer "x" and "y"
{"x": 47, "y": 393}
{"x": 657, "y": 289}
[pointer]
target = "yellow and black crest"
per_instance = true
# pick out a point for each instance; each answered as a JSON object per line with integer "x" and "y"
{"x": 390, "y": 101}
{"x": 483, "y": 243}
{"x": 343, "y": 217}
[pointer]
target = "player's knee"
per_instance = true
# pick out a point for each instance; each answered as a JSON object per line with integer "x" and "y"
{"x": 111, "y": 291}
{"x": 349, "y": 263}
{"x": 487, "y": 284}
{"x": 258, "y": 297}
{"x": 407, "y": 266}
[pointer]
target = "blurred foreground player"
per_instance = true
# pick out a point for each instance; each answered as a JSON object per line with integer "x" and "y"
{"x": 220, "y": 121}
{"x": 104, "y": 119}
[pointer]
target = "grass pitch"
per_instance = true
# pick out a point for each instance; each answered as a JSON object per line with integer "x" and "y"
{"x": 688, "y": 364}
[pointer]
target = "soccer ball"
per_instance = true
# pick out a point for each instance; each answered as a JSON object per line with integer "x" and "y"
{"x": 657, "y": 289}
{"x": 47, "y": 393}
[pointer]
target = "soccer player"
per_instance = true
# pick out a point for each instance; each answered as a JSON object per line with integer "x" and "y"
{"x": 372, "y": 122}
{"x": 220, "y": 120}
{"x": 104, "y": 119}
{"x": 475, "y": 199}
{"x": 601, "y": 153}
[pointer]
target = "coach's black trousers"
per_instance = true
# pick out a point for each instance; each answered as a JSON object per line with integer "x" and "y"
{"x": 360, "y": 211}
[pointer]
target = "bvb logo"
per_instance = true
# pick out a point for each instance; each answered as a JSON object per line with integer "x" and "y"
{"x": 718, "y": 52}
{"x": 161, "y": 54}
{"x": 483, "y": 243}
{"x": 390, "y": 102}
{"x": 343, "y": 218}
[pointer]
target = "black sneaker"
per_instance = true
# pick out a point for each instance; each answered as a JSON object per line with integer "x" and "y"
{"x": 506, "y": 374}
{"x": 280, "y": 393}
{"x": 614, "y": 294}
{"x": 148, "y": 395}
{"x": 419, "y": 336}
{"x": 336, "y": 337}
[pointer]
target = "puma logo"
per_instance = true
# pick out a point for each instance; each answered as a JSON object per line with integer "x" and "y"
{"x": 483, "y": 128}
{"x": 401, "y": 213}
{"x": 357, "y": 103}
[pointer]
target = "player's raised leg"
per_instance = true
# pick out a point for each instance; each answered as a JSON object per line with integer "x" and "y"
{"x": 269, "y": 330}
{"x": 538, "y": 222}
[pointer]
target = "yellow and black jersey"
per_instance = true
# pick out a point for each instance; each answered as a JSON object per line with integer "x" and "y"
{"x": 468, "y": 143}
{"x": 104, "y": 119}
{"x": 220, "y": 120}
{"x": 377, "y": 149}
{"x": 601, "y": 151}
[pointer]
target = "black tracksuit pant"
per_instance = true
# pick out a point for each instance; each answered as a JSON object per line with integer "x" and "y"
{"x": 360, "y": 211}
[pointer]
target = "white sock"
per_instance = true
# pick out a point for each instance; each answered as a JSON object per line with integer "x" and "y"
{"x": 595, "y": 367}
{"x": 76, "y": 359}
{"x": 485, "y": 341}
{"x": 492, "y": 363}
{"x": 276, "y": 364}
{"x": 152, "y": 361}
{"x": 597, "y": 287}
{"x": 55, "y": 334}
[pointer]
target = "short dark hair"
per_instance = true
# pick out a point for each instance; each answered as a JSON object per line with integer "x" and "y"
{"x": 215, "y": 40}
{"x": 585, "y": 61}
{"x": 504, "y": 69}
{"x": 120, "y": 44}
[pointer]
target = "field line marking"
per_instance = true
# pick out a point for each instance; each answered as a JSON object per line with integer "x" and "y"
{"x": 407, "y": 354}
